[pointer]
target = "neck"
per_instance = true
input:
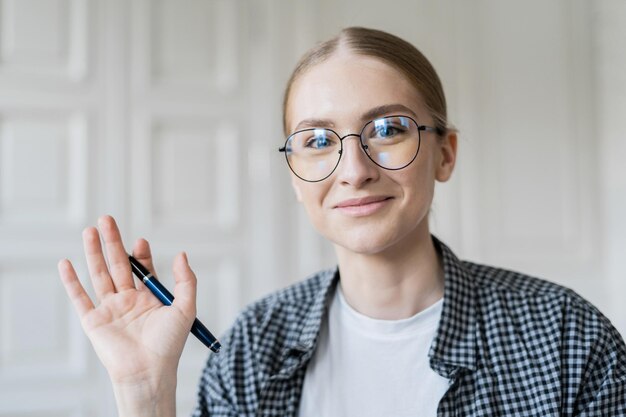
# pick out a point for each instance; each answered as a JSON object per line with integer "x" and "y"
{"x": 396, "y": 283}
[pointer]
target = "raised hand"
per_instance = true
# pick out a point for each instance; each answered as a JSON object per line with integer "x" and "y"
{"x": 138, "y": 340}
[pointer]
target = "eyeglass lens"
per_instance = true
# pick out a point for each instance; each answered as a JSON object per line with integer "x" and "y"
{"x": 390, "y": 142}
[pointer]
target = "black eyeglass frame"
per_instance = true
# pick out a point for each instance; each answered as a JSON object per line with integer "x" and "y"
{"x": 420, "y": 128}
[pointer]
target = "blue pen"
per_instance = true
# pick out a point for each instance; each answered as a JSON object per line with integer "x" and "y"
{"x": 197, "y": 329}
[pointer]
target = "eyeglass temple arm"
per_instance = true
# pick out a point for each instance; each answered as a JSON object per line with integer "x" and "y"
{"x": 436, "y": 130}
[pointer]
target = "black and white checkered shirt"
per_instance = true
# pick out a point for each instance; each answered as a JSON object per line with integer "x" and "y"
{"x": 511, "y": 345}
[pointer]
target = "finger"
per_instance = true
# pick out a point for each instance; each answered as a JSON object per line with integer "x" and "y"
{"x": 119, "y": 266}
{"x": 186, "y": 283}
{"x": 142, "y": 252}
{"x": 77, "y": 294}
{"x": 98, "y": 270}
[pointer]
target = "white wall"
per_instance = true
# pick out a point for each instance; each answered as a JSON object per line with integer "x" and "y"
{"x": 609, "y": 19}
{"x": 97, "y": 96}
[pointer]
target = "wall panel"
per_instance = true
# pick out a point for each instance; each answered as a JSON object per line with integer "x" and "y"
{"x": 44, "y": 39}
{"x": 43, "y": 170}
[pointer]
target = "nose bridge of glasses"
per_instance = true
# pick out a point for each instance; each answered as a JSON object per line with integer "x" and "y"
{"x": 360, "y": 143}
{"x": 341, "y": 138}
{"x": 358, "y": 154}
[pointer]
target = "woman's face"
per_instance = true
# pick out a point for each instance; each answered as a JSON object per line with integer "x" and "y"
{"x": 343, "y": 93}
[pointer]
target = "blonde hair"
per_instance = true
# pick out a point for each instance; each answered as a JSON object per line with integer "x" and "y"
{"x": 390, "y": 49}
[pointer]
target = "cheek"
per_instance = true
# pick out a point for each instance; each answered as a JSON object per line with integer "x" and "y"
{"x": 420, "y": 173}
{"x": 418, "y": 191}
{"x": 312, "y": 198}
{"x": 417, "y": 183}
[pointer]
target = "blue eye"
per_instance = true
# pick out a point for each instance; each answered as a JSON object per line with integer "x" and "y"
{"x": 388, "y": 128}
{"x": 386, "y": 131}
{"x": 319, "y": 141}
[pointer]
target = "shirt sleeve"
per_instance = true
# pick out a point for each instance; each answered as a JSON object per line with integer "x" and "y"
{"x": 601, "y": 351}
{"x": 228, "y": 385}
{"x": 213, "y": 398}
{"x": 215, "y": 391}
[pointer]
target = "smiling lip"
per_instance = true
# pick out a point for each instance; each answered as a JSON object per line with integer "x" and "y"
{"x": 362, "y": 206}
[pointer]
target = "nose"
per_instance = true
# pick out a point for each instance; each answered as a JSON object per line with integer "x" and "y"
{"x": 355, "y": 168}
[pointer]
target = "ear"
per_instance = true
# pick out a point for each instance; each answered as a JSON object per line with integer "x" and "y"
{"x": 296, "y": 183}
{"x": 446, "y": 157}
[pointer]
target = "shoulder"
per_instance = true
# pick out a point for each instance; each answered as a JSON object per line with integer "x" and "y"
{"x": 305, "y": 291}
{"x": 544, "y": 315}
{"x": 254, "y": 347}
{"x": 276, "y": 321}
{"x": 291, "y": 303}
{"x": 490, "y": 278}
{"x": 515, "y": 292}
{"x": 493, "y": 284}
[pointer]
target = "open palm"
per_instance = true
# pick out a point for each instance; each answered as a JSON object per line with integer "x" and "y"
{"x": 136, "y": 337}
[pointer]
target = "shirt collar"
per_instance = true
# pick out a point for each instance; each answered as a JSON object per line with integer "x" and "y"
{"x": 454, "y": 345}
{"x": 298, "y": 350}
{"x": 313, "y": 319}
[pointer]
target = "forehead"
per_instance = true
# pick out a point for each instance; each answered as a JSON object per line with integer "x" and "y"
{"x": 345, "y": 87}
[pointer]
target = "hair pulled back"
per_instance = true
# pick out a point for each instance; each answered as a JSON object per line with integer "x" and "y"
{"x": 390, "y": 49}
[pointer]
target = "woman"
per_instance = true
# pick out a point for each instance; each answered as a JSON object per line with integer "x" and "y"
{"x": 401, "y": 327}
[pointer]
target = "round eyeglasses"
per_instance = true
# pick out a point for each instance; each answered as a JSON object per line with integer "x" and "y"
{"x": 391, "y": 142}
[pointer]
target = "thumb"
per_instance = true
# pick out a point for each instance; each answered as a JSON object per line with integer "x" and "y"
{"x": 186, "y": 283}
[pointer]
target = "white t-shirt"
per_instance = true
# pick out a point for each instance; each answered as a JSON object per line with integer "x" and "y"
{"x": 366, "y": 367}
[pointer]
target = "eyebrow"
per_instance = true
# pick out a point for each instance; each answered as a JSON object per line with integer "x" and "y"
{"x": 314, "y": 123}
{"x": 386, "y": 109}
{"x": 365, "y": 117}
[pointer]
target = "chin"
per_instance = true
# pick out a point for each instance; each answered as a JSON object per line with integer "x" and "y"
{"x": 374, "y": 238}
{"x": 364, "y": 243}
